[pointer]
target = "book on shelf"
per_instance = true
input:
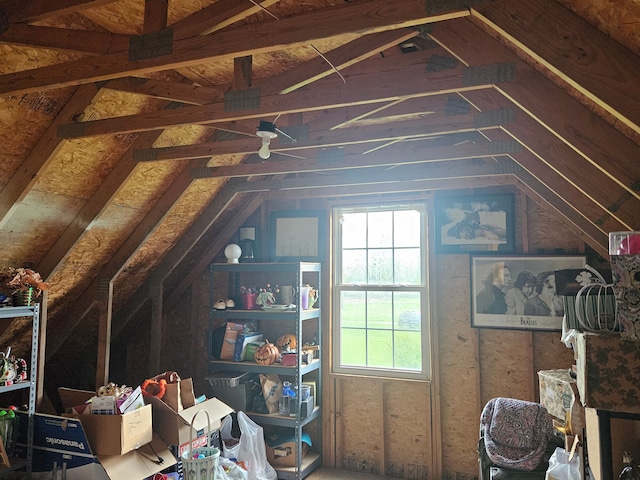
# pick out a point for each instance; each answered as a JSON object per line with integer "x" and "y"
{"x": 242, "y": 340}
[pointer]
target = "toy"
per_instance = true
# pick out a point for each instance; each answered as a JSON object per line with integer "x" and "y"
{"x": 110, "y": 390}
{"x": 12, "y": 369}
{"x": 287, "y": 342}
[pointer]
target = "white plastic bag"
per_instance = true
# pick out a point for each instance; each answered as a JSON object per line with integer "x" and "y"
{"x": 251, "y": 449}
{"x": 230, "y": 444}
{"x": 560, "y": 468}
{"x": 230, "y": 470}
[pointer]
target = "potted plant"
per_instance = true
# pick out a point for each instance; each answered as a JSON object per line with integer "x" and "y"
{"x": 25, "y": 284}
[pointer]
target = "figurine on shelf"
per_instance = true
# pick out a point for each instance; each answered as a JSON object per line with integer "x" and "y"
{"x": 630, "y": 471}
{"x": 12, "y": 369}
{"x": 265, "y": 297}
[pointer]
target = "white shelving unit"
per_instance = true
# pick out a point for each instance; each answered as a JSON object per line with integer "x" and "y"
{"x": 8, "y": 314}
{"x": 305, "y": 323}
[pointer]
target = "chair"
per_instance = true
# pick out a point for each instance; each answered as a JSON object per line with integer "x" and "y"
{"x": 516, "y": 440}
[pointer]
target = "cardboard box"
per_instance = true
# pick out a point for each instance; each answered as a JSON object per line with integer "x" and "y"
{"x": 110, "y": 434}
{"x": 608, "y": 372}
{"x": 175, "y": 427}
{"x": 281, "y": 449}
{"x": 63, "y": 441}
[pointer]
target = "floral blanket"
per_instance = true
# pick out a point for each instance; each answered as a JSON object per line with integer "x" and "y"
{"x": 516, "y": 432}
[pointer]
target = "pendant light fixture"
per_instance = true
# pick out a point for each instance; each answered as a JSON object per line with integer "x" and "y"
{"x": 266, "y": 131}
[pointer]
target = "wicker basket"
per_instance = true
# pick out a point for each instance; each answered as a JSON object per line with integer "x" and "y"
{"x": 200, "y": 463}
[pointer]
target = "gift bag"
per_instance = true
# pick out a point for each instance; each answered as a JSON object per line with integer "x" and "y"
{"x": 250, "y": 450}
{"x": 561, "y": 468}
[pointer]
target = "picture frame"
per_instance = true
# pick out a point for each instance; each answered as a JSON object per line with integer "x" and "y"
{"x": 296, "y": 236}
{"x": 475, "y": 223}
{"x": 518, "y": 291}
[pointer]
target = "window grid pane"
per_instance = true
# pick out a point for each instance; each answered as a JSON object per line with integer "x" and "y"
{"x": 381, "y": 291}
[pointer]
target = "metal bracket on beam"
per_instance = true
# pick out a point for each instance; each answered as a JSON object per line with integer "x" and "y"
{"x": 151, "y": 45}
{"x": 504, "y": 147}
{"x": 437, "y": 63}
{"x": 489, "y": 74}
{"x": 493, "y": 118}
{"x": 293, "y": 134}
{"x": 70, "y": 130}
{"x": 102, "y": 288}
{"x": 201, "y": 172}
{"x": 330, "y": 156}
{"x": 507, "y": 165}
{"x": 145, "y": 154}
{"x": 236, "y": 100}
{"x": 456, "y": 105}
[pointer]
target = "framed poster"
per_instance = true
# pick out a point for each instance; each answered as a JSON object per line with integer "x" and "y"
{"x": 475, "y": 223}
{"x": 296, "y": 236}
{"x": 518, "y": 292}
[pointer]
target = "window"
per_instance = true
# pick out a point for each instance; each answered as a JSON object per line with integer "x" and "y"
{"x": 380, "y": 286}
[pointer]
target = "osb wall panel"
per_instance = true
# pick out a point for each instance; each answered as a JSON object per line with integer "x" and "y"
{"x": 506, "y": 364}
{"x": 407, "y": 423}
{"x": 362, "y": 433}
{"x": 458, "y": 368}
{"x": 546, "y": 234}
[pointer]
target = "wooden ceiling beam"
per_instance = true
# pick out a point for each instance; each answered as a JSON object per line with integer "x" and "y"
{"x": 405, "y": 174}
{"x": 155, "y": 15}
{"x": 398, "y": 154}
{"x": 344, "y": 117}
{"x": 65, "y": 39}
{"x": 335, "y": 60}
{"x": 580, "y": 54}
{"x": 426, "y": 127}
{"x": 293, "y": 78}
{"x": 28, "y": 11}
{"x": 412, "y": 81}
{"x": 593, "y": 213}
{"x": 366, "y": 17}
{"x": 594, "y": 216}
{"x": 546, "y": 198}
{"x": 565, "y": 161}
{"x": 417, "y": 186}
{"x": 605, "y": 148}
{"x": 172, "y": 91}
{"x": 218, "y": 15}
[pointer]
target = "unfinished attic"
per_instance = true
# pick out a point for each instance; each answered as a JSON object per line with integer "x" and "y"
{"x": 131, "y": 159}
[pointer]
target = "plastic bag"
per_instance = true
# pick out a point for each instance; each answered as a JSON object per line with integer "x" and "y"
{"x": 230, "y": 444}
{"x": 560, "y": 468}
{"x": 230, "y": 470}
{"x": 250, "y": 451}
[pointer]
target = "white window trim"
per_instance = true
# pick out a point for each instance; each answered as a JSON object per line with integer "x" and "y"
{"x": 395, "y": 373}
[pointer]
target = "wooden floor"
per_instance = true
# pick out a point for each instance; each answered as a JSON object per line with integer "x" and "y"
{"x": 333, "y": 474}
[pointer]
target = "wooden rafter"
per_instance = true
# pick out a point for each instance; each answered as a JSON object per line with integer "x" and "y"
{"x": 369, "y": 88}
{"x": 590, "y": 61}
{"x": 41, "y": 9}
{"x": 366, "y": 17}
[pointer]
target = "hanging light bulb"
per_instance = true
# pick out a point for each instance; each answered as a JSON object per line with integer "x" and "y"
{"x": 266, "y": 131}
{"x": 264, "y": 152}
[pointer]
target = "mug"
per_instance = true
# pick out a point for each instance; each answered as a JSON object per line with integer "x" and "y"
{"x": 287, "y": 295}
